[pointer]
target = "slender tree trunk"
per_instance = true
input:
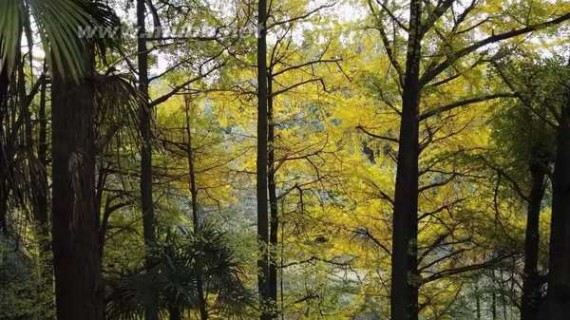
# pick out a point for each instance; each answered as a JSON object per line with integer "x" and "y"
{"x": 145, "y": 119}
{"x": 41, "y": 207}
{"x": 272, "y": 188}
{"x": 405, "y": 277}
{"x": 494, "y": 306}
{"x": 42, "y": 198}
{"x": 558, "y": 296}
{"x": 35, "y": 164}
{"x": 282, "y": 263}
{"x": 3, "y": 85}
{"x": 3, "y": 165}
{"x": 531, "y": 285}
{"x": 77, "y": 262}
{"x": 202, "y": 303}
{"x": 43, "y": 154}
{"x": 262, "y": 144}
{"x": 191, "y": 165}
{"x": 477, "y": 301}
{"x": 39, "y": 189}
{"x": 505, "y": 305}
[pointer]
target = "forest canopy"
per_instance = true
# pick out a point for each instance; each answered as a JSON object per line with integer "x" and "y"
{"x": 291, "y": 159}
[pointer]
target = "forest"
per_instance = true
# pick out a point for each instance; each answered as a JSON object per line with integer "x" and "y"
{"x": 285, "y": 159}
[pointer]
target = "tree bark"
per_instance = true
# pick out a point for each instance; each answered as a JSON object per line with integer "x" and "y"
{"x": 261, "y": 178}
{"x": 145, "y": 118}
{"x": 405, "y": 277}
{"x": 477, "y": 302}
{"x": 272, "y": 188}
{"x": 196, "y": 219}
{"x": 41, "y": 205}
{"x": 77, "y": 262}
{"x": 4, "y": 81}
{"x": 531, "y": 286}
{"x": 558, "y": 296}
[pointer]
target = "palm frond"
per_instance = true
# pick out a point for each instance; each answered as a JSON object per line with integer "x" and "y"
{"x": 57, "y": 23}
{"x": 182, "y": 257}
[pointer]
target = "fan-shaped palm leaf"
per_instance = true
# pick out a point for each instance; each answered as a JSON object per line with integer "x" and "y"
{"x": 57, "y": 23}
{"x": 184, "y": 256}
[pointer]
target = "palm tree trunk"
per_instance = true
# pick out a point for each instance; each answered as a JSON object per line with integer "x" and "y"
{"x": 405, "y": 278}
{"x": 146, "y": 152}
{"x": 77, "y": 261}
{"x": 3, "y": 165}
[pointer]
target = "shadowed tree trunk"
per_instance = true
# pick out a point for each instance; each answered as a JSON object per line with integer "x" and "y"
{"x": 477, "y": 301}
{"x": 77, "y": 261}
{"x": 558, "y": 296}
{"x": 272, "y": 188}
{"x": 405, "y": 278}
{"x": 42, "y": 154}
{"x": 174, "y": 313}
{"x": 494, "y": 306}
{"x": 531, "y": 286}
{"x": 40, "y": 174}
{"x": 261, "y": 179}
{"x": 196, "y": 219}
{"x": 405, "y": 275}
{"x": 42, "y": 197}
{"x": 145, "y": 115}
{"x": 3, "y": 165}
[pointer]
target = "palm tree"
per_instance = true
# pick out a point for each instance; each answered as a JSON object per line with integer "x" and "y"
{"x": 184, "y": 258}
{"x": 77, "y": 259}
{"x": 57, "y": 22}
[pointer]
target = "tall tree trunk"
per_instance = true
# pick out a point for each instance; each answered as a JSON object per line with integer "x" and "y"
{"x": 42, "y": 197}
{"x": 196, "y": 219}
{"x": 41, "y": 187}
{"x": 43, "y": 155}
{"x": 77, "y": 262}
{"x": 531, "y": 285}
{"x": 174, "y": 313}
{"x": 477, "y": 301}
{"x": 262, "y": 143}
{"x": 272, "y": 188}
{"x": 494, "y": 306}
{"x": 558, "y": 296}
{"x": 4, "y": 81}
{"x": 145, "y": 119}
{"x": 405, "y": 277}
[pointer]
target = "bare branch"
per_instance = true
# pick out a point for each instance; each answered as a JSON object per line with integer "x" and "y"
{"x": 377, "y": 136}
{"x": 459, "y": 270}
{"x": 301, "y": 17}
